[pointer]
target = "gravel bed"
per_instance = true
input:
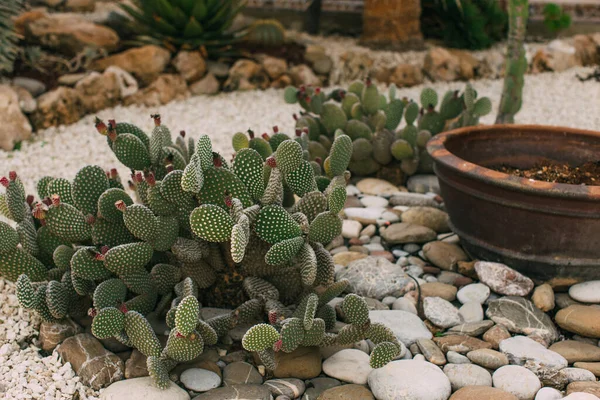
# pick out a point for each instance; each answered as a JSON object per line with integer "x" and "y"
{"x": 552, "y": 99}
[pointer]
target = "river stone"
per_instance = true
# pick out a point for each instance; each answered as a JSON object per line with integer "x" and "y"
{"x": 574, "y": 351}
{"x": 522, "y": 350}
{"x": 474, "y": 292}
{"x": 351, "y": 229}
{"x": 460, "y": 343}
{"x": 519, "y": 315}
{"x": 563, "y": 300}
{"x": 441, "y": 312}
{"x": 246, "y": 392}
{"x": 517, "y": 380}
{"x": 585, "y": 387}
{"x": 136, "y": 366}
{"x": 586, "y": 292}
{"x": 472, "y": 328}
{"x": 543, "y": 297}
{"x": 200, "y": 380}
{"x": 439, "y": 289}
{"x": 581, "y": 396}
{"x": 346, "y": 257}
{"x": 405, "y": 304}
{"x": 495, "y": 335}
{"x": 578, "y": 375}
{"x": 488, "y": 358}
{"x": 142, "y": 389}
{"x": 292, "y": 388}
{"x": 373, "y": 201}
{"x": 423, "y": 183}
{"x": 406, "y": 326}
{"x": 95, "y": 366}
{"x": 482, "y": 393}
{"x": 347, "y": 392}
{"x": 456, "y": 358}
{"x": 302, "y": 363}
{"x": 431, "y": 351}
{"x": 471, "y": 312}
{"x": 444, "y": 255}
{"x": 316, "y": 386}
{"x": 409, "y": 380}
{"x": 580, "y": 319}
{"x": 349, "y": 365}
{"x": 413, "y": 200}
{"x": 364, "y": 215}
{"x": 376, "y": 186}
{"x": 403, "y": 232}
{"x": 593, "y": 367}
{"x": 54, "y": 333}
{"x": 374, "y": 277}
{"x": 240, "y": 372}
{"x": 461, "y": 375}
{"x": 548, "y": 393}
{"x": 503, "y": 279}
{"x": 432, "y": 218}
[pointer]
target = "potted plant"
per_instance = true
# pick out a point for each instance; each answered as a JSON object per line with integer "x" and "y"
{"x": 492, "y": 182}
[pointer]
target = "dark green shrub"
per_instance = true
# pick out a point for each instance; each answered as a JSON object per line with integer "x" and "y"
{"x": 555, "y": 19}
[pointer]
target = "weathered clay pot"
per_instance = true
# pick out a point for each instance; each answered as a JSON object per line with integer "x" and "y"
{"x": 549, "y": 231}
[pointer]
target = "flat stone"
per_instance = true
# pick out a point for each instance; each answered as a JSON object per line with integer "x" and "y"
{"x": 503, "y": 279}
{"x": 481, "y": 393}
{"x": 586, "y": 292}
{"x": 246, "y": 392}
{"x": 460, "y": 343}
{"x": 54, "y": 333}
{"x": 241, "y": 373}
{"x": 543, "y": 297}
{"x": 423, "y": 184}
{"x": 374, "y": 277}
{"x": 548, "y": 393}
{"x": 200, "y": 380}
{"x": 15, "y": 125}
{"x": 444, "y": 255}
{"x": 413, "y": 200}
{"x": 207, "y": 85}
{"x": 349, "y": 365}
{"x": 374, "y": 201}
{"x": 406, "y": 326}
{"x": 456, "y": 358}
{"x": 488, "y": 358}
{"x": 580, "y": 396}
{"x": 33, "y": 86}
{"x": 302, "y": 363}
{"x": 405, "y": 304}
{"x": 439, "y": 289}
{"x": 95, "y": 366}
{"x": 142, "y": 389}
{"x": 145, "y": 63}
{"x": 402, "y": 232}
{"x": 471, "y": 312}
{"x": 580, "y": 319}
{"x": 135, "y": 366}
{"x": 517, "y": 380}
{"x": 519, "y": 315}
{"x": 474, "y": 292}
{"x": 579, "y": 375}
{"x": 316, "y": 386}
{"x": 574, "y": 350}
{"x": 563, "y": 300}
{"x": 431, "y": 351}
{"x": 375, "y": 186}
{"x": 441, "y": 312}
{"x": 593, "y": 367}
{"x": 495, "y": 335}
{"x": 292, "y": 388}
{"x": 462, "y": 375}
{"x": 409, "y": 380}
{"x": 346, "y": 257}
{"x": 585, "y": 387}
{"x": 347, "y": 392}
{"x": 351, "y": 229}
{"x": 522, "y": 350}
{"x": 472, "y": 328}
{"x": 190, "y": 65}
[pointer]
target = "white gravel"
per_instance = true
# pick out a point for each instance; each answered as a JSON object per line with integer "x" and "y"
{"x": 551, "y": 99}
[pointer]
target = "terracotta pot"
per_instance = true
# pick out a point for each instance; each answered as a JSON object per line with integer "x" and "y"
{"x": 548, "y": 231}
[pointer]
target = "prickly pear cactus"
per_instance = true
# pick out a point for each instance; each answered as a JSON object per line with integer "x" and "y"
{"x": 372, "y": 122}
{"x": 201, "y": 232}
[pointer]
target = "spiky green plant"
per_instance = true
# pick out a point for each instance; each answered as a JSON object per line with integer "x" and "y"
{"x": 266, "y": 33}
{"x": 371, "y": 121}
{"x": 187, "y": 24}
{"x": 8, "y": 36}
{"x": 203, "y": 231}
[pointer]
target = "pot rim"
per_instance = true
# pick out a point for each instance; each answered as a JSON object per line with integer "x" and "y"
{"x": 436, "y": 147}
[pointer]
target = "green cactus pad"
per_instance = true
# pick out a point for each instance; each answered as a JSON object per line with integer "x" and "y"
{"x": 124, "y": 127}
{"x": 482, "y": 107}
{"x": 106, "y": 204}
{"x": 325, "y": 227}
{"x": 258, "y": 288}
{"x": 429, "y": 97}
{"x": 311, "y": 204}
{"x": 209, "y": 336}
{"x": 25, "y": 292}
{"x": 217, "y": 181}
{"x": 333, "y": 118}
{"x": 260, "y": 337}
{"x": 130, "y": 150}
{"x": 383, "y": 353}
{"x": 68, "y": 223}
{"x": 277, "y": 139}
{"x": 357, "y": 129}
{"x": 379, "y": 333}
{"x": 110, "y": 233}
{"x": 17, "y": 261}
{"x": 314, "y": 336}
{"x": 28, "y": 236}
{"x": 292, "y": 334}
{"x": 85, "y": 265}
{"x": 370, "y": 99}
{"x": 9, "y": 238}
{"x": 202, "y": 274}
{"x": 110, "y": 293}
{"x": 165, "y": 277}
{"x": 61, "y": 187}
{"x": 336, "y": 199}
{"x": 109, "y": 322}
{"x": 186, "y": 348}
{"x": 168, "y": 227}
{"x": 302, "y": 179}
{"x": 288, "y": 156}
{"x": 341, "y": 152}
{"x": 141, "y": 335}
{"x": 186, "y": 318}
{"x": 212, "y": 223}
{"x": 57, "y": 299}
{"x": 307, "y": 121}
{"x": 42, "y": 187}
{"x": 312, "y": 302}
{"x": 284, "y": 251}
{"x": 239, "y": 141}
{"x": 158, "y": 372}
{"x": 139, "y": 282}
{"x": 240, "y": 236}
{"x": 348, "y": 102}
{"x": 402, "y": 149}
{"x": 411, "y": 113}
{"x": 350, "y": 333}
{"x": 128, "y": 257}
{"x": 332, "y": 291}
{"x": 248, "y": 166}
{"x": 355, "y": 309}
{"x": 275, "y": 224}
{"x": 308, "y": 264}
{"x": 393, "y": 113}
{"x": 325, "y": 265}
{"x": 89, "y": 184}
{"x": 261, "y": 146}
{"x": 290, "y": 95}
{"x": 141, "y": 222}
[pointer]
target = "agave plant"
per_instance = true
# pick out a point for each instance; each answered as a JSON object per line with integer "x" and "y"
{"x": 187, "y": 24}
{"x": 8, "y": 36}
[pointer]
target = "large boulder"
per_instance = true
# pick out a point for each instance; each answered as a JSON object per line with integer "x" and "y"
{"x": 61, "y": 106}
{"x": 145, "y": 63}
{"x": 15, "y": 126}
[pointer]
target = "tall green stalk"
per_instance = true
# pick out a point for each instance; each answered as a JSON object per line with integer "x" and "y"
{"x": 516, "y": 63}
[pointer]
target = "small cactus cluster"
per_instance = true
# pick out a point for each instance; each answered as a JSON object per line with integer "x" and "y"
{"x": 371, "y": 120}
{"x": 247, "y": 235}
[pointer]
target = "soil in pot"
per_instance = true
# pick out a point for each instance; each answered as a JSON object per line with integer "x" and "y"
{"x": 550, "y": 171}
